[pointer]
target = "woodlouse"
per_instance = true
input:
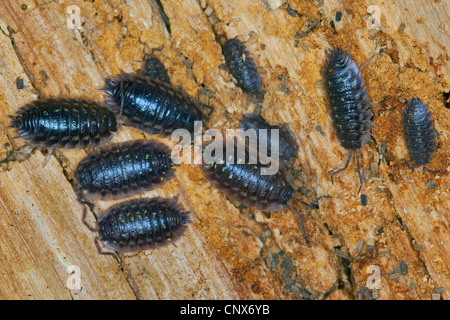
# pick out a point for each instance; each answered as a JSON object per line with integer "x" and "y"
{"x": 238, "y": 178}
{"x": 287, "y": 146}
{"x": 349, "y": 104}
{"x": 65, "y": 123}
{"x": 419, "y": 133}
{"x": 140, "y": 224}
{"x": 124, "y": 168}
{"x": 242, "y": 66}
{"x": 152, "y": 67}
{"x": 152, "y": 105}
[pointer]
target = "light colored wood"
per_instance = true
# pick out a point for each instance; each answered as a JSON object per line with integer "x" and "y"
{"x": 232, "y": 253}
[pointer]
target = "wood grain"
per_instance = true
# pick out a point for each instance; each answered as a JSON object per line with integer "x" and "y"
{"x": 231, "y": 252}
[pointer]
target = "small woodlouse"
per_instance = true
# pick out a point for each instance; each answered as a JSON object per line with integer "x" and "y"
{"x": 349, "y": 104}
{"x": 124, "y": 168}
{"x": 287, "y": 146}
{"x": 65, "y": 123}
{"x": 419, "y": 134}
{"x": 243, "y": 181}
{"x": 140, "y": 224}
{"x": 152, "y": 105}
{"x": 152, "y": 67}
{"x": 242, "y": 66}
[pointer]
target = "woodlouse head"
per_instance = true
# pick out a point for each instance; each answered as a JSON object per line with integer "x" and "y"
{"x": 83, "y": 178}
{"x": 415, "y": 107}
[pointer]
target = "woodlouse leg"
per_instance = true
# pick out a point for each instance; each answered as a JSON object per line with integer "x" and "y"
{"x": 409, "y": 166}
{"x": 121, "y": 100}
{"x": 211, "y": 108}
{"x": 85, "y": 222}
{"x": 359, "y": 171}
{"x": 106, "y": 253}
{"x": 345, "y": 167}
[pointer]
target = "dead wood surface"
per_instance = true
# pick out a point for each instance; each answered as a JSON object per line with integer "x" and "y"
{"x": 230, "y": 252}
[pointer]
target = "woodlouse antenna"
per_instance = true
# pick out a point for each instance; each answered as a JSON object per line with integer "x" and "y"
{"x": 211, "y": 108}
{"x": 367, "y": 61}
{"x": 85, "y": 222}
{"x": 301, "y": 221}
{"x": 434, "y": 172}
{"x": 424, "y": 168}
{"x": 309, "y": 205}
{"x": 84, "y": 203}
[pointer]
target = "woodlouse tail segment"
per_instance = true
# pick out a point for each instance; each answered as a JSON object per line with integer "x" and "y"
{"x": 15, "y": 123}
{"x": 48, "y": 156}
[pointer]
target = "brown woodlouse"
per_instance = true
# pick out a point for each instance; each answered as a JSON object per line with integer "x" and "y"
{"x": 140, "y": 224}
{"x": 349, "y": 104}
{"x": 419, "y": 134}
{"x": 241, "y": 180}
{"x": 65, "y": 123}
{"x": 152, "y": 105}
{"x": 152, "y": 67}
{"x": 241, "y": 65}
{"x": 124, "y": 168}
{"x": 287, "y": 146}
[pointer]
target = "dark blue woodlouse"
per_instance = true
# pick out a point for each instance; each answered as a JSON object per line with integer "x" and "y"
{"x": 65, "y": 123}
{"x": 152, "y": 67}
{"x": 242, "y": 66}
{"x": 152, "y": 105}
{"x": 419, "y": 134}
{"x": 243, "y": 181}
{"x": 140, "y": 224}
{"x": 349, "y": 104}
{"x": 287, "y": 146}
{"x": 124, "y": 168}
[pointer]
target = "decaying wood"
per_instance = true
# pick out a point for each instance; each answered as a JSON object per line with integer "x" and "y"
{"x": 231, "y": 252}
